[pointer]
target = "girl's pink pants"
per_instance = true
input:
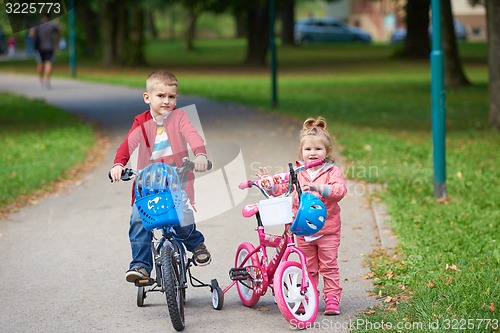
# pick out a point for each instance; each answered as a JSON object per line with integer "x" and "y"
{"x": 321, "y": 255}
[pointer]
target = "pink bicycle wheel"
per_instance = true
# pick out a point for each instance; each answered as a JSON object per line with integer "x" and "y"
{"x": 298, "y": 309}
{"x": 249, "y": 289}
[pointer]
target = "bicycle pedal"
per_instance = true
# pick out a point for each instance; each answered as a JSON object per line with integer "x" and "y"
{"x": 144, "y": 282}
{"x": 238, "y": 274}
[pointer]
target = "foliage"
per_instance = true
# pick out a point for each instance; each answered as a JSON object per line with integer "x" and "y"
{"x": 39, "y": 143}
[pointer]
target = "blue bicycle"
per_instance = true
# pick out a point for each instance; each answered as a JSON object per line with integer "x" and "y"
{"x": 160, "y": 200}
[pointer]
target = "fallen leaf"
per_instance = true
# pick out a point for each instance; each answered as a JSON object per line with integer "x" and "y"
{"x": 369, "y": 313}
{"x": 449, "y": 308}
{"x": 491, "y": 307}
{"x": 459, "y": 175}
{"x": 263, "y": 308}
{"x": 452, "y": 267}
{"x": 388, "y": 299}
{"x": 450, "y": 281}
{"x": 431, "y": 284}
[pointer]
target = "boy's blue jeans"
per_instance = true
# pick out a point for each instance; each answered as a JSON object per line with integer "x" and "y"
{"x": 140, "y": 239}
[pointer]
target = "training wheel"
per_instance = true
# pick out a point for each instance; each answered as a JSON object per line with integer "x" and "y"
{"x": 217, "y": 295}
{"x": 141, "y": 295}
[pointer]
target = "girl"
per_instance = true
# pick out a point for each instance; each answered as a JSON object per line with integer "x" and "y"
{"x": 327, "y": 182}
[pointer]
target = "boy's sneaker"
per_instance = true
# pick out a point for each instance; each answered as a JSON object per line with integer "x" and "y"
{"x": 136, "y": 273}
{"x": 301, "y": 310}
{"x": 332, "y": 306}
{"x": 201, "y": 255}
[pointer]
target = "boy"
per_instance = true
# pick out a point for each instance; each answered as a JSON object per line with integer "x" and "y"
{"x": 162, "y": 134}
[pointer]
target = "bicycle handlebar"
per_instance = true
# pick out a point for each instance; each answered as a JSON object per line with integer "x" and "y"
{"x": 129, "y": 174}
{"x": 279, "y": 178}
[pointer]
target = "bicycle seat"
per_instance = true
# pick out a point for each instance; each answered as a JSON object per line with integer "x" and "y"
{"x": 249, "y": 210}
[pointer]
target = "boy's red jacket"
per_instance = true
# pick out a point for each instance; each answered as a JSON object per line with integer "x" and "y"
{"x": 180, "y": 132}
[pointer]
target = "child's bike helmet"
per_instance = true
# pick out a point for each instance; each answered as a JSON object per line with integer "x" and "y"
{"x": 310, "y": 217}
{"x": 158, "y": 196}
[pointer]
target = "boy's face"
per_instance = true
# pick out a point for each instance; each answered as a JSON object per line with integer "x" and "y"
{"x": 161, "y": 99}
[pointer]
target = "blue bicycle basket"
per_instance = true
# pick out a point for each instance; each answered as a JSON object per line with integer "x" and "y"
{"x": 158, "y": 196}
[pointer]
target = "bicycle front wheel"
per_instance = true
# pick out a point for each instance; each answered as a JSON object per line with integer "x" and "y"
{"x": 172, "y": 285}
{"x": 297, "y": 308}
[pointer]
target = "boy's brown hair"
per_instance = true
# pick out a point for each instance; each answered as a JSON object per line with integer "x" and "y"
{"x": 160, "y": 76}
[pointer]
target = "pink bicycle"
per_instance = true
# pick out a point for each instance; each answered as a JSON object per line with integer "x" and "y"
{"x": 294, "y": 291}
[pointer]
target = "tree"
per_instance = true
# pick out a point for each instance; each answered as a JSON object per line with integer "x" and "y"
{"x": 454, "y": 75}
{"x": 122, "y": 31}
{"x": 493, "y": 19}
{"x": 257, "y": 32}
{"x": 417, "y": 43}
{"x": 287, "y": 15}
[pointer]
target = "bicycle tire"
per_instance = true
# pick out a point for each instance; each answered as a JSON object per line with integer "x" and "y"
{"x": 172, "y": 286}
{"x": 247, "y": 289}
{"x": 287, "y": 283}
{"x": 141, "y": 295}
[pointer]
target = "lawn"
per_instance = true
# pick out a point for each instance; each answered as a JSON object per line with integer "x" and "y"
{"x": 38, "y": 148}
{"x": 446, "y": 267}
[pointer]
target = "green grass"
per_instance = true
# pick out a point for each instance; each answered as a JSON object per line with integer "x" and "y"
{"x": 378, "y": 109}
{"x": 39, "y": 143}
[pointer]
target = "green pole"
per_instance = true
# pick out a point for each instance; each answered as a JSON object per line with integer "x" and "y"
{"x": 438, "y": 104}
{"x": 72, "y": 41}
{"x": 272, "y": 46}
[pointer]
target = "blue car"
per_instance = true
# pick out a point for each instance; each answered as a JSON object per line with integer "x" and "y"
{"x": 328, "y": 30}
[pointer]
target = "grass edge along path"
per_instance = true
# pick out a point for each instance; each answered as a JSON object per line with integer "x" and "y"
{"x": 43, "y": 148}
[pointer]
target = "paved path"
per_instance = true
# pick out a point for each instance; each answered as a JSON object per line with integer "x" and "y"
{"x": 63, "y": 259}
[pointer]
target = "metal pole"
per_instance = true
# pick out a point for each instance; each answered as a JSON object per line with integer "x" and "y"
{"x": 272, "y": 46}
{"x": 72, "y": 39}
{"x": 438, "y": 104}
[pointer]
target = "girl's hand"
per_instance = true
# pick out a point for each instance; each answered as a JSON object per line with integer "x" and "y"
{"x": 263, "y": 173}
{"x": 116, "y": 173}
{"x": 311, "y": 187}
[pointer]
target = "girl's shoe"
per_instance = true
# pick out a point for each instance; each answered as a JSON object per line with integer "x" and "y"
{"x": 332, "y": 306}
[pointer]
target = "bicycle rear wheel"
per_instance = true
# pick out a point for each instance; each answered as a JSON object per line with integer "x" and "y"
{"x": 173, "y": 287}
{"x": 298, "y": 309}
{"x": 249, "y": 289}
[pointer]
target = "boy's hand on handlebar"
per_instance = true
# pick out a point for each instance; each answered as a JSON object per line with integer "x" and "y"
{"x": 200, "y": 163}
{"x": 116, "y": 173}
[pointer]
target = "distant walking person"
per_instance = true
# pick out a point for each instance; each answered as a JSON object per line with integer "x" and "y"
{"x": 11, "y": 46}
{"x": 46, "y": 36}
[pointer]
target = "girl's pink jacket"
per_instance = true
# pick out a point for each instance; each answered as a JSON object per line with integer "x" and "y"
{"x": 180, "y": 132}
{"x": 331, "y": 175}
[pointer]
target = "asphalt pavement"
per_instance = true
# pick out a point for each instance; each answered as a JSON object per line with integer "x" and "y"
{"x": 64, "y": 256}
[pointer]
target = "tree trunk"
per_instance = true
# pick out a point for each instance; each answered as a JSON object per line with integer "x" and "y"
{"x": 108, "y": 32}
{"x": 287, "y": 14}
{"x": 257, "y": 33}
{"x": 90, "y": 24}
{"x": 152, "y": 24}
{"x": 454, "y": 75}
{"x": 192, "y": 16}
{"x": 493, "y": 21}
{"x": 122, "y": 38}
{"x": 241, "y": 25}
{"x": 136, "y": 57}
{"x": 417, "y": 43}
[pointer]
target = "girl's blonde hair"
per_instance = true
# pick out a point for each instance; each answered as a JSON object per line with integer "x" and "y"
{"x": 316, "y": 127}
